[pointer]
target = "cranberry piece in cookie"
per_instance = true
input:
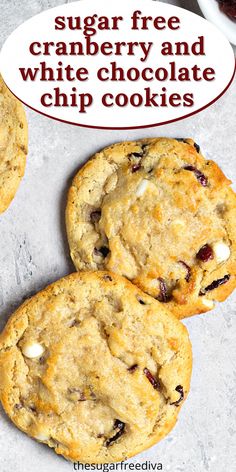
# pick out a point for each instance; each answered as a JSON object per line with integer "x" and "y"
{"x": 205, "y": 253}
{"x": 180, "y": 390}
{"x": 155, "y": 383}
{"x": 120, "y": 427}
{"x": 199, "y": 175}
{"x": 215, "y": 284}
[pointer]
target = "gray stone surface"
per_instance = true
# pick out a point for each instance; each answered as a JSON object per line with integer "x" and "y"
{"x": 34, "y": 252}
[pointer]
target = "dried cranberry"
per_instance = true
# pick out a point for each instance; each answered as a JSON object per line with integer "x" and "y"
{"x": 119, "y": 424}
{"x": 187, "y": 278}
{"x": 137, "y": 154}
{"x": 180, "y": 390}
{"x": 102, "y": 251}
{"x": 95, "y": 216}
{"x": 181, "y": 140}
{"x": 215, "y": 284}
{"x": 162, "y": 297}
{"x": 205, "y": 253}
{"x": 155, "y": 383}
{"x": 202, "y": 179}
{"x": 133, "y": 368}
{"x": 121, "y": 429}
{"x": 136, "y": 167}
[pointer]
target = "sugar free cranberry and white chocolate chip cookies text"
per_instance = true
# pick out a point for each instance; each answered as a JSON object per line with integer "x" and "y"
{"x": 160, "y": 214}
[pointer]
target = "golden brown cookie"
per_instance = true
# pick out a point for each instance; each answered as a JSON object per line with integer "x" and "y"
{"x": 94, "y": 368}
{"x": 158, "y": 213}
{"x": 13, "y": 145}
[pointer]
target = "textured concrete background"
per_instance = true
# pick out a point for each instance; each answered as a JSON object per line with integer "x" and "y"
{"x": 34, "y": 252}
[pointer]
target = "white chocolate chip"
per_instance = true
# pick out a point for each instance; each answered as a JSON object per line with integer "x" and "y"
{"x": 142, "y": 187}
{"x": 111, "y": 183}
{"x": 151, "y": 365}
{"x": 221, "y": 251}
{"x": 208, "y": 303}
{"x": 33, "y": 350}
{"x": 154, "y": 283}
{"x": 179, "y": 222}
{"x": 177, "y": 226}
{"x": 42, "y": 436}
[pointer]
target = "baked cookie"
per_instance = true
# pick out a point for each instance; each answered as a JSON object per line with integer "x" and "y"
{"x": 158, "y": 213}
{"x": 94, "y": 368}
{"x": 13, "y": 145}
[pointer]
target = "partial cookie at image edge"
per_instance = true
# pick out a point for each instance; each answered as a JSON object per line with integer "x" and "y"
{"x": 13, "y": 145}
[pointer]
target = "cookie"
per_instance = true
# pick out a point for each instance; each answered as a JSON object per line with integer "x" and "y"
{"x": 13, "y": 145}
{"x": 94, "y": 368}
{"x": 158, "y": 213}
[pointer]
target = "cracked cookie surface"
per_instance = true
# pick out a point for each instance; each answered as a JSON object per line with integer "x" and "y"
{"x": 158, "y": 213}
{"x": 13, "y": 145}
{"x": 94, "y": 368}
